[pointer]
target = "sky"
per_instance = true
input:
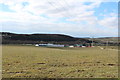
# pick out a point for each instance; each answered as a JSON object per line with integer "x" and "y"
{"x": 71, "y": 17}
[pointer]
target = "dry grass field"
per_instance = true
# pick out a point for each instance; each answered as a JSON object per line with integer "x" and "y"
{"x": 41, "y": 62}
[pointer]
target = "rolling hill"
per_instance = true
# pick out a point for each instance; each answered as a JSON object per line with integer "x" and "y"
{"x": 12, "y": 38}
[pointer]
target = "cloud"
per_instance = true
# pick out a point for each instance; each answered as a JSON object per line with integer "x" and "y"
{"x": 109, "y": 20}
{"x": 53, "y": 10}
{"x": 49, "y": 8}
{"x": 64, "y": 28}
{"x": 62, "y": 16}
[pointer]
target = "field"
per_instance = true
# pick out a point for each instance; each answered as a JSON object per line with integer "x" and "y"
{"x": 41, "y": 62}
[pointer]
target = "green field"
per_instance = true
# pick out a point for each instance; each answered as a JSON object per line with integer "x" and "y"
{"x": 41, "y": 62}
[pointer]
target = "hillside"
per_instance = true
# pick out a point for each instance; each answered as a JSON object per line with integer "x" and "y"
{"x": 106, "y": 40}
{"x": 12, "y": 38}
{"x": 109, "y": 39}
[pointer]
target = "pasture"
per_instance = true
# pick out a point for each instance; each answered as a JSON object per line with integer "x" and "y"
{"x": 41, "y": 62}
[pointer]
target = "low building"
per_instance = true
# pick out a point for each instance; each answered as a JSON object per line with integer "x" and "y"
{"x": 50, "y": 45}
{"x": 71, "y": 46}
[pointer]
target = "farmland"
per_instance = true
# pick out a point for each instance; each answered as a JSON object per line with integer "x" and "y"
{"x": 40, "y": 62}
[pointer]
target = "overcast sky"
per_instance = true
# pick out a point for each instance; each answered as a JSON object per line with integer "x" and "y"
{"x": 71, "y": 17}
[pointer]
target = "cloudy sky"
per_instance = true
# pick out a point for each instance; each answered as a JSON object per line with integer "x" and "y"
{"x": 71, "y": 17}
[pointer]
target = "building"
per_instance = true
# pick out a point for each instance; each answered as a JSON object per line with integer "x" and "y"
{"x": 50, "y": 45}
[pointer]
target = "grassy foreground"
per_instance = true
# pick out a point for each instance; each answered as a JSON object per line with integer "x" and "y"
{"x": 40, "y": 62}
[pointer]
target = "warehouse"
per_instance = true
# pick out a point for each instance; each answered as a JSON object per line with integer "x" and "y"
{"x": 50, "y": 45}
